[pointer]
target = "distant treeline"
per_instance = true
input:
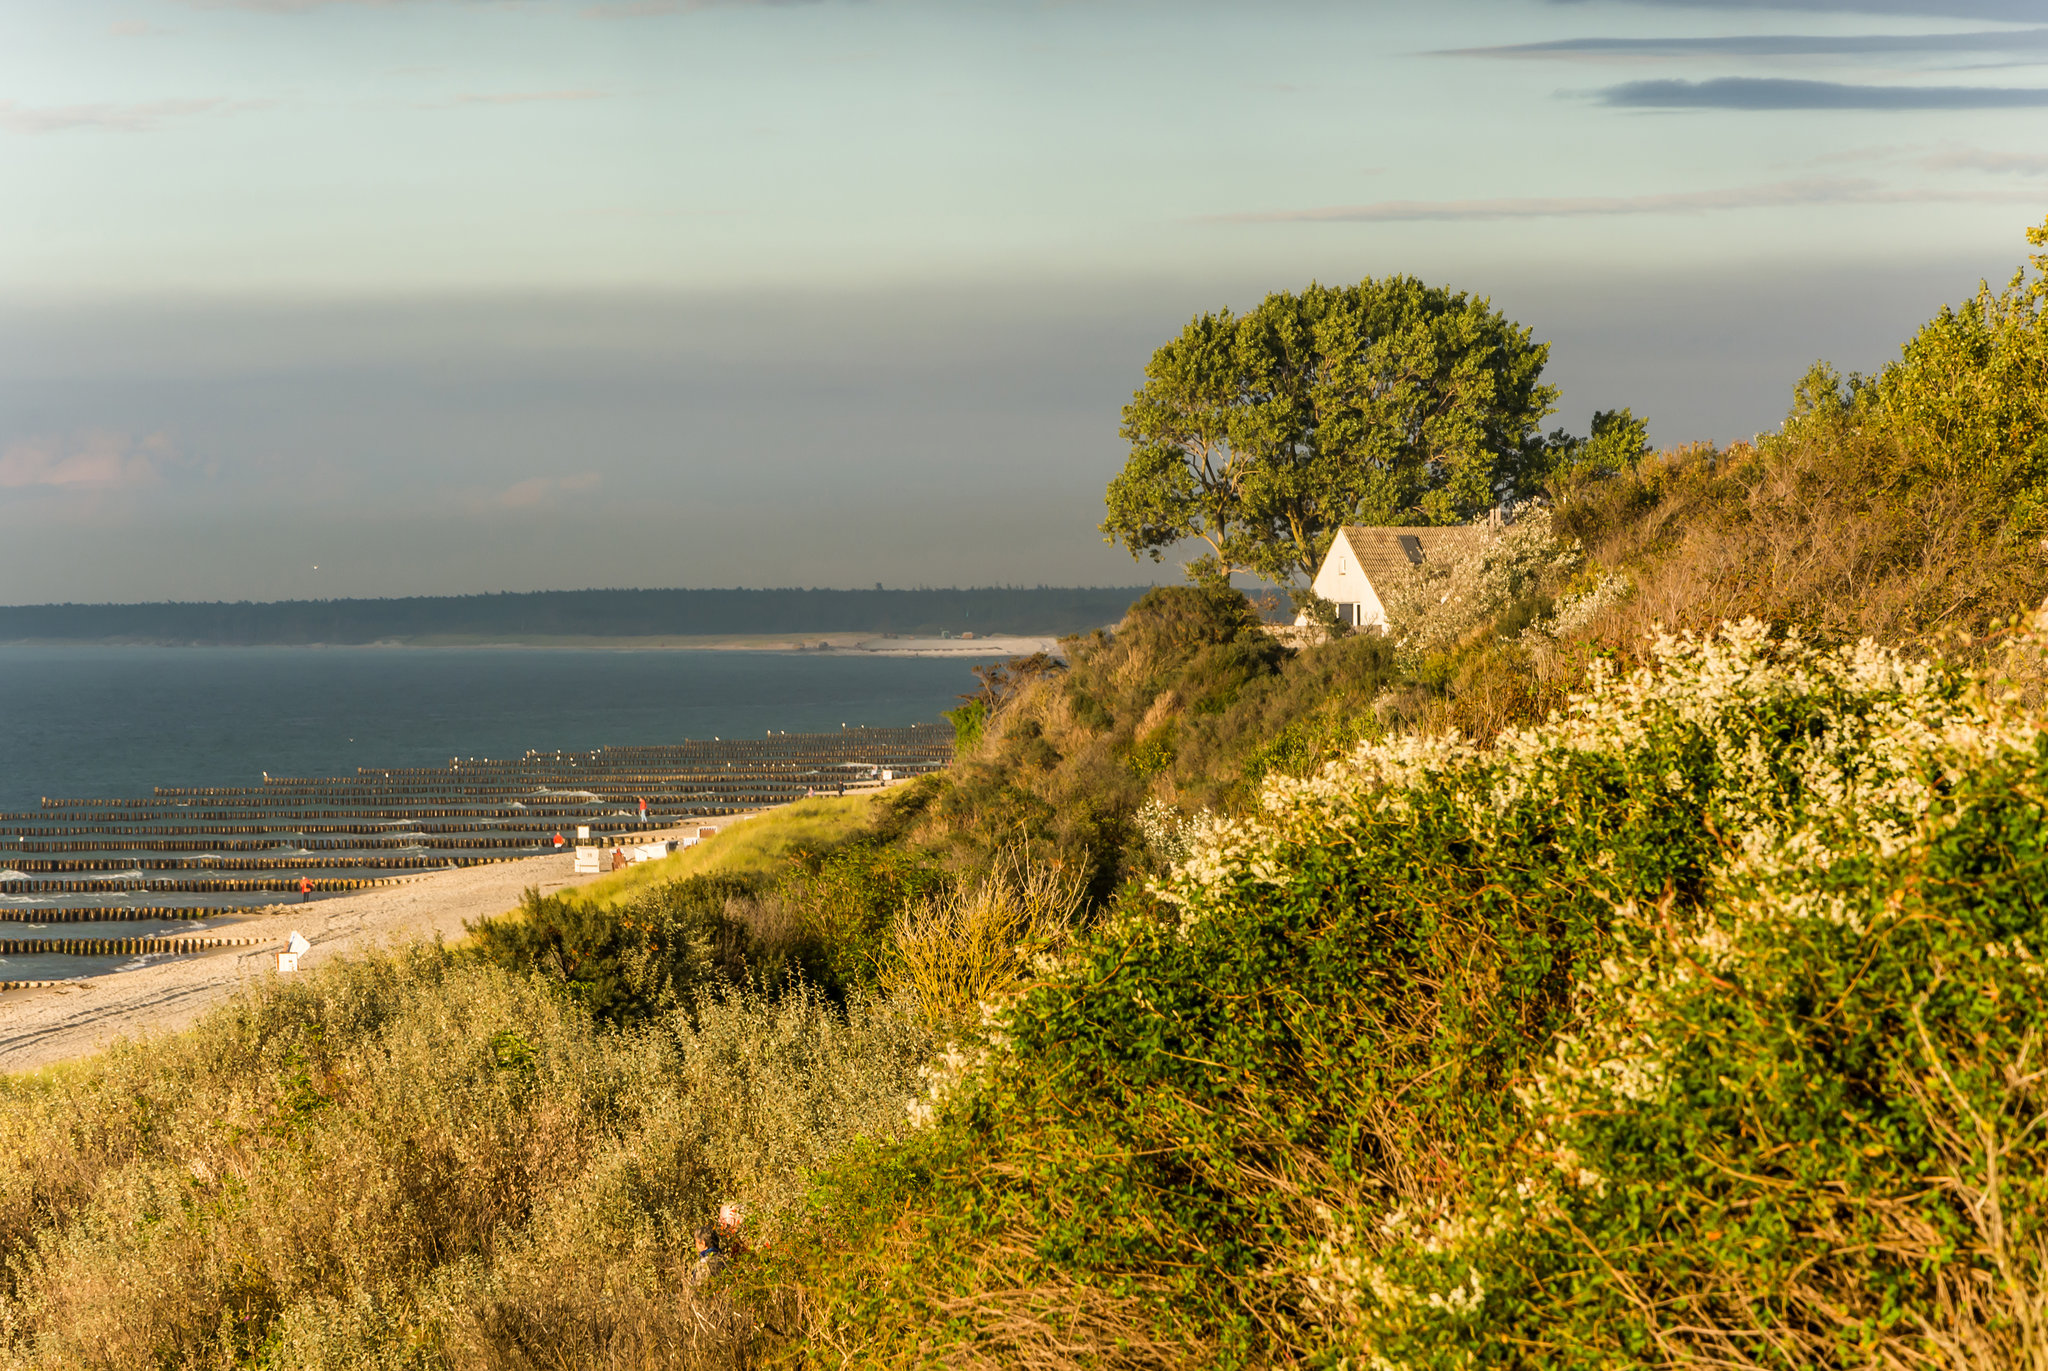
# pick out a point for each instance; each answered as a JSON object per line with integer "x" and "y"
{"x": 581, "y": 613}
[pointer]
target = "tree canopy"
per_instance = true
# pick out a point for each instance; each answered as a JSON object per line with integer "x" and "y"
{"x": 1387, "y": 402}
{"x": 1616, "y": 442}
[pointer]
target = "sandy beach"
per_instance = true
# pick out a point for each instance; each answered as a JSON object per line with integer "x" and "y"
{"x": 74, "y": 1019}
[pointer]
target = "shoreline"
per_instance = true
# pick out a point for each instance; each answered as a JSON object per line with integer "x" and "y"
{"x": 47, "y": 1024}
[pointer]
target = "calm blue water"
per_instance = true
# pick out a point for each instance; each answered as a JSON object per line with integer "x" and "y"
{"x": 114, "y": 721}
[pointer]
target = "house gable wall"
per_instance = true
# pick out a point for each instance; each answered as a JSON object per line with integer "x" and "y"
{"x": 1344, "y": 581}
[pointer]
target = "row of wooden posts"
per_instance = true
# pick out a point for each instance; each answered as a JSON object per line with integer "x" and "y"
{"x": 166, "y": 885}
{"x": 121, "y": 947}
{"x": 124, "y": 913}
{"x": 701, "y": 798}
{"x": 312, "y": 863}
{"x": 202, "y": 848}
{"x": 511, "y": 823}
{"x": 361, "y": 831}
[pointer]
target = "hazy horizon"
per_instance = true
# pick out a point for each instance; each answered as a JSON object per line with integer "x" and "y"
{"x": 447, "y": 298}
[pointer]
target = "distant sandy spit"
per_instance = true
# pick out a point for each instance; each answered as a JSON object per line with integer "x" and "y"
{"x": 948, "y": 647}
{"x": 78, "y": 1018}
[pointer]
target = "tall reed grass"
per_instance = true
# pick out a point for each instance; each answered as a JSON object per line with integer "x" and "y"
{"x": 968, "y": 945}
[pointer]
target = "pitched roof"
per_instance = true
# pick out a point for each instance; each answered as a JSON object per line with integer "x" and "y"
{"x": 1382, "y": 552}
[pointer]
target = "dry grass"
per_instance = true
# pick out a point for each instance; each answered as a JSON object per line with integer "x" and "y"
{"x": 969, "y": 945}
{"x": 1811, "y": 535}
{"x": 411, "y": 1161}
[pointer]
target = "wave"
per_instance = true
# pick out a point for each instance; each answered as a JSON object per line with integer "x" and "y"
{"x": 8, "y": 873}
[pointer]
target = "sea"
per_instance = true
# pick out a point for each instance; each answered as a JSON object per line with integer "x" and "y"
{"x": 103, "y": 722}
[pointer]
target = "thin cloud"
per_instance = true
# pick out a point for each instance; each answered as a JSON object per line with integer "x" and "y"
{"x": 109, "y": 118}
{"x": 2008, "y": 11}
{"x": 1773, "y": 196}
{"x": 527, "y": 97}
{"x": 1770, "y": 93}
{"x": 1937, "y": 157}
{"x": 643, "y": 9}
{"x": 1770, "y": 45}
{"x": 294, "y": 6}
{"x": 1983, "y": 159}
{"x": 133, "y": 28}
{"x": 87, "y": 461}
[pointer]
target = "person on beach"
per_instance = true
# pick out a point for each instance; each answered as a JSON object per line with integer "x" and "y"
{"x": 618, "y": 859}
{"x": 558, "y": 838}
{"x": 643, "y": 809}
{"x": 709, "y": 1261}
{"x": 305, "y": 889}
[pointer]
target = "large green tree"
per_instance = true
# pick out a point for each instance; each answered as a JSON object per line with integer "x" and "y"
{"x": 1387, "y": 402}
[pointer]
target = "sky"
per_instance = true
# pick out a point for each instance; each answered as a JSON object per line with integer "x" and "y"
{"x": 312, "y": 298}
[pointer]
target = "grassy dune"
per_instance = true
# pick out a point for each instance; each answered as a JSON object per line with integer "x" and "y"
{"x": 759, "y": 846}
{"x": 1525, "y": 988}
{"x": 420, "y": 1160}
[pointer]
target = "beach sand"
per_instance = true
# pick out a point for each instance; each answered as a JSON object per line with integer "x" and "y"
{"x": 74, "y": 1019}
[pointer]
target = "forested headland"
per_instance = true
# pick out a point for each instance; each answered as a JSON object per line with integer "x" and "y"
{"x": 1635, "y": 957}
{"x": 579, "y": 614}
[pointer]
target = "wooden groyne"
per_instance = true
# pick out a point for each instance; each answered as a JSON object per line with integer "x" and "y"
{"x": 241, "y": 848}
{"x": 174, "y": 945}
{"x": 31, "y": 914}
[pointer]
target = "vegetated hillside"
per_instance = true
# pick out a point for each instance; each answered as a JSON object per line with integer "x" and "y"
{"x": 580, "y": 614}
{"x": 1516, "y": 989}
{"x": 1699, "y": 1025}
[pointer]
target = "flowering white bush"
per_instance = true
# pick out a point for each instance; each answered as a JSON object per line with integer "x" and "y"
{"x": 1822, "y": 785}
{"x": 1433, "y": 605}
{"x": 1574, "y": 611}
{"x": 1165, "y": 830}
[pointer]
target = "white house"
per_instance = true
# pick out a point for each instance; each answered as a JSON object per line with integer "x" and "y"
{"x": 1361, "y": 560}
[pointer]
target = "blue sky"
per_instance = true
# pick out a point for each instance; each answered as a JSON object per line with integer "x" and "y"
{"x": 450, "y": 296}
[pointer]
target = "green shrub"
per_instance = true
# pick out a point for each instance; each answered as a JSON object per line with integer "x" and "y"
{"x": 627, "y": 961}
{"x": 845, "y": 901}
{"x": 1964, "y": 407}
{"x": 1702, "y": 1010}
{"x": 967, "y": 722}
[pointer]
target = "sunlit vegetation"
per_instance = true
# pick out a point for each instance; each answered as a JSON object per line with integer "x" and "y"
{"x": 1633, "y": 958}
